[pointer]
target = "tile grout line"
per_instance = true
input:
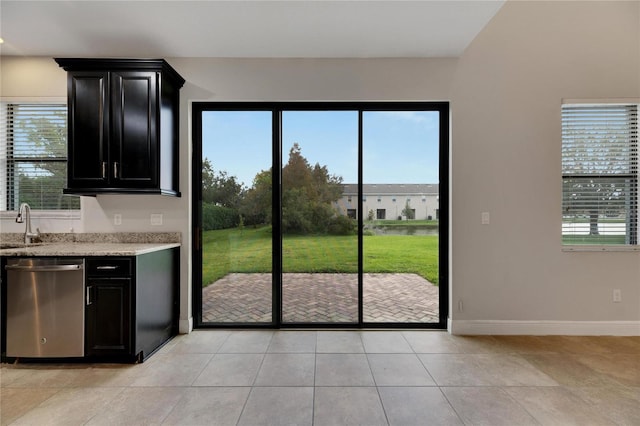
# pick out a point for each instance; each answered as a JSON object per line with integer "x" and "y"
{"x": 375, "y": 383}
{"x": 444, "y": 395}
{"x": 313, "y": 391}
{"x": 253, "y": 386}
{"x": 518, "y": 402}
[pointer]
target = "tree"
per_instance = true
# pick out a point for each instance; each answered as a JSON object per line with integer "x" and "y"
{"x": 597, "y": 162}
{"x": 222, "y": 197}
{"x": 256, "y": 205}
{"x": 408, "y": 212}
{"x": 316, "y": 182}
{"x": 220, "y": 188}
{"x": 41, "y": 135}
{"x": 308, "y": 194}
{"x": 595, "y": 197}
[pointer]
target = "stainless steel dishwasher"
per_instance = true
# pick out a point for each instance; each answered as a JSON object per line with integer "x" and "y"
{"x": 45, "y": 307}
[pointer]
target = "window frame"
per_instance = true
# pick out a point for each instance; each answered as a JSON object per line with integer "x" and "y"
{"x": 634, "y": 176}
{"x": 196, "y": 111}
{"x": 54, "y": 214}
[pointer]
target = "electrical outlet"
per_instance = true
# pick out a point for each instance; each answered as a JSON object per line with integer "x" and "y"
{"x": 117, "y": 219}
{"x": 156, "y": 219}
{"x": 617, "y": 295}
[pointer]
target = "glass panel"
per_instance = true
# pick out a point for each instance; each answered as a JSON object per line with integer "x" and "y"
{"x": 33, "y": 157}
{"x": 236, "y": 217}
{"x": 597, "y": 210}
{"x": 401, "y": 212}
{"x": 319, "y": 234}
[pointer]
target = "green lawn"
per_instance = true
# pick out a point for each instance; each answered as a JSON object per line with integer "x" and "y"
{"x": 402, "y": 223}
{"x": 249, "y": 250}
{"x": 593, "y": 239}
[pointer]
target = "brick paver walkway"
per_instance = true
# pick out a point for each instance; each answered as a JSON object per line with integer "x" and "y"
{"x": 322, "y": 298}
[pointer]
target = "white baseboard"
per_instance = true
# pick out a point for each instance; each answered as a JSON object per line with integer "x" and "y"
{"x": 541, "y": 328}
{"x": 185, "y": 326}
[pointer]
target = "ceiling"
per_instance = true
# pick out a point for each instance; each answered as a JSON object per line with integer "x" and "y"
{"x": 259, "y": 29}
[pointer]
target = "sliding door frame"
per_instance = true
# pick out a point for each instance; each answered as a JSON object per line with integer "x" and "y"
{"x": 276, "y": 108}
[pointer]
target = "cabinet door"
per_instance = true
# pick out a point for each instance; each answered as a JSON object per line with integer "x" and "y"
{"x": 134, "y": 136}
{"x": 108, "y": 316}
{"x": 88, "y": 129}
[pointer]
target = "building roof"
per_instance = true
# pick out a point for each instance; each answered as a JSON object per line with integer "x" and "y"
{"x": 393, "y": 188}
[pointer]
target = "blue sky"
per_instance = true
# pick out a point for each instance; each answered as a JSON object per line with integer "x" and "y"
{"x": 398, "y": 147}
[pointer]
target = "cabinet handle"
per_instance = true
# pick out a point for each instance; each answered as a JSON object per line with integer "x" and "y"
{"x": 104, "y": 170}
{"x": 115, "y": 170}
{"x": 89, "y": 302}
{"x": 106, "y": 268}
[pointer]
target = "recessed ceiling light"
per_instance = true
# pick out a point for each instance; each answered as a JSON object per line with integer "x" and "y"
{"x": 1, "y": 40}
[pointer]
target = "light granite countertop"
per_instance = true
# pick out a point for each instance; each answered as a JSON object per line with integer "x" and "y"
{"x": 124, "y": 244}
{"x": 86, "y": 249}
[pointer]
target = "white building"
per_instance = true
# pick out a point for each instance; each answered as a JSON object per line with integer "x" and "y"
{"x": 388, "y": 201}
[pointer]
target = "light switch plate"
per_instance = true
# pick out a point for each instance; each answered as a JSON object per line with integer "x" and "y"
{"x": 617, "y": 295}
{"x": 485, "y": 218}
{"x": 156, "y": 219}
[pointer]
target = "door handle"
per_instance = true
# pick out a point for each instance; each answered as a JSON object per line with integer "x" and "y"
{"x": 104, "y": 170}
{"x": 115, "y": 170}
{"x": 89, "y": 301}
{"x": 106, "y": 268}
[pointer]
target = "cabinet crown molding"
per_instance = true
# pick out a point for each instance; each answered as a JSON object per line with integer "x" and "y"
{"x": 121, "y": 64}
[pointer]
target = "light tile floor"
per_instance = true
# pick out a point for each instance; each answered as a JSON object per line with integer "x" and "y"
{"x": 222, "y": 377}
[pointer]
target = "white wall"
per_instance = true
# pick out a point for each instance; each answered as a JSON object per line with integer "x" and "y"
{"x": 506, "y": 135}
{"x": 296, "y": 80}
{"x": 506, "y": 92}
{"x": 36, "y": 79}
{"x": 229, "y": 80}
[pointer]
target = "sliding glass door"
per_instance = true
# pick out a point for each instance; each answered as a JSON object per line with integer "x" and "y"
{"x": 401, "y": 203}
{"x": 320, "y": 214}
{"x": 319, "y": 239}
{"x": 235, "y": 186}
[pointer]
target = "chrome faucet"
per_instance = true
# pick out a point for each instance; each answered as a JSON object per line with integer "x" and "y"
{"x": 25, "y": 213}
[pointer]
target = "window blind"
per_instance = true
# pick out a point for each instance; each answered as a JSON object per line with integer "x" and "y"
{"x": 600, "y": 174}
{"x": 33, "y": 156}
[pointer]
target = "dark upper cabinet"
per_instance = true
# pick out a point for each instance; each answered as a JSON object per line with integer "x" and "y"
{"x": 123, "y": 126}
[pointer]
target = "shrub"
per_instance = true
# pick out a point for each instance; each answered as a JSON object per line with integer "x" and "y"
{"x": 218, "y": 217}
{"x": 342, "y": 225}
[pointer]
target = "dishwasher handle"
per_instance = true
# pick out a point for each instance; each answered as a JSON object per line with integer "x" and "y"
{"x": 48, "y": 268}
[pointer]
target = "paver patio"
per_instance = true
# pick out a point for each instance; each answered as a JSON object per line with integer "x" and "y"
{"x": 321, "y": 298}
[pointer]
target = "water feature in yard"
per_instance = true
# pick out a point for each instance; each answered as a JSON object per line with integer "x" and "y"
{"x": 402, "y": 229}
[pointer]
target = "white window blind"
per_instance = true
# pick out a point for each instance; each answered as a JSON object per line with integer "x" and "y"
{"x": 600, "y": 174}
{"x": 33, "y": 156}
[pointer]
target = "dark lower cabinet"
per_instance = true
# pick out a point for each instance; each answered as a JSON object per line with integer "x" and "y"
{"x": 108, "y": 317}
{"x": 131, "y": 306}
